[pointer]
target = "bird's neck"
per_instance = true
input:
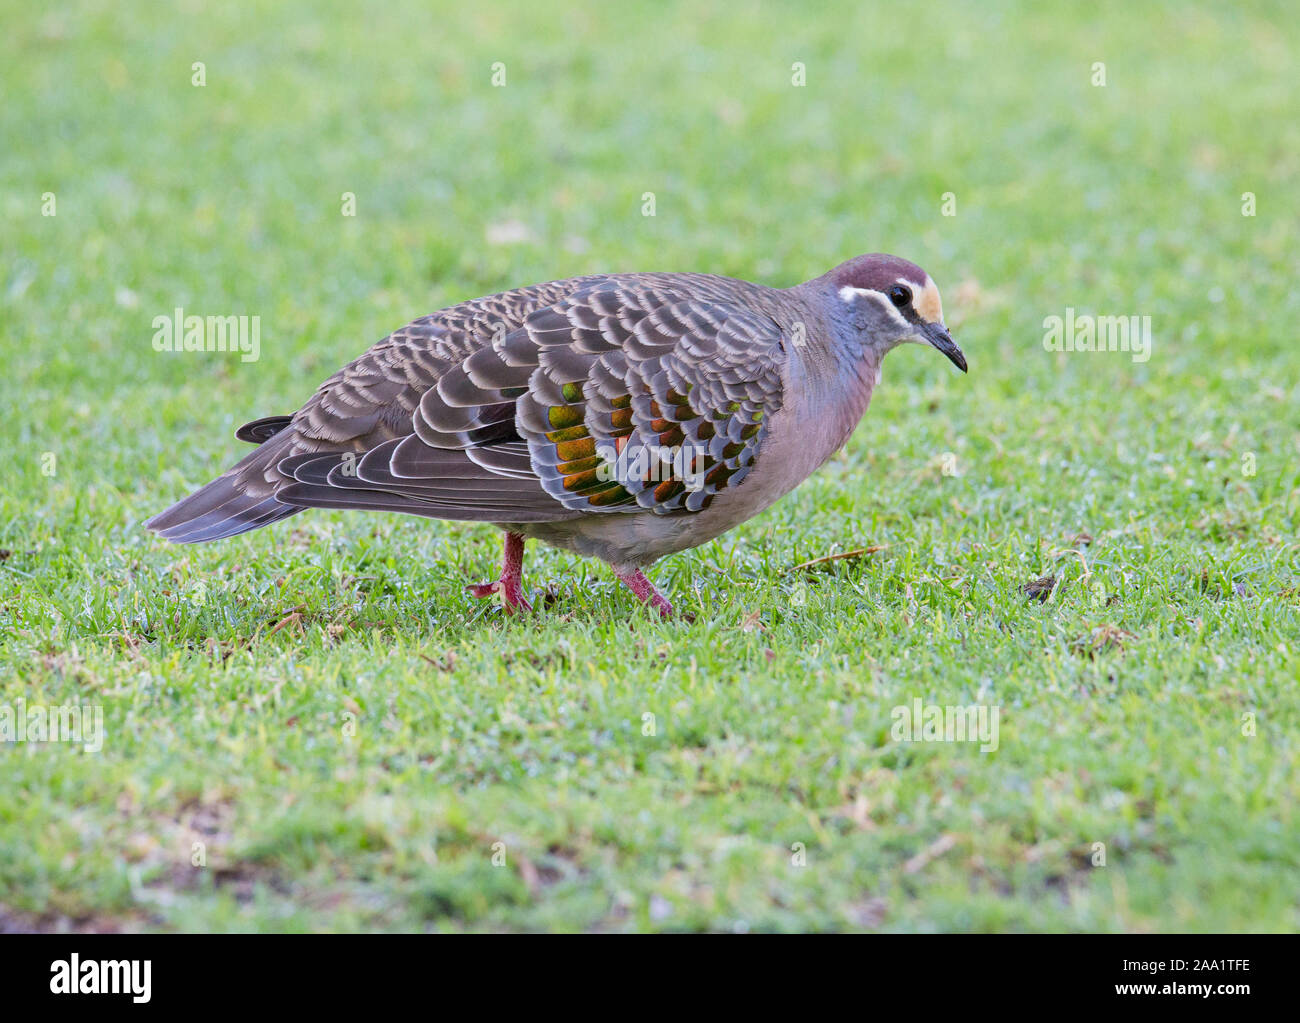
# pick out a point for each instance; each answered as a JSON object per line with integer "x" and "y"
{"x": 839, "y": 373}
{"x": 857, "y": 374}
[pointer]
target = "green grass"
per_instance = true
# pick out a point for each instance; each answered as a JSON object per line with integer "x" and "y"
{"x": 349, "y": 735}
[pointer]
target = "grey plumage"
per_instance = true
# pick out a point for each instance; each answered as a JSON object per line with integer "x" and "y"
{"x": 510, "y": 409}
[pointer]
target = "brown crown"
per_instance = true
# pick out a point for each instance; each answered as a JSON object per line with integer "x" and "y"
{"x": 877, "y": 271}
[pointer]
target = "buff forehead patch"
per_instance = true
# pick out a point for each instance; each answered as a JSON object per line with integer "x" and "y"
{"x": 927, "y": 303}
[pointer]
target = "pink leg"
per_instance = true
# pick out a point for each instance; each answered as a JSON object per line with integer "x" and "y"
{"x": 510, "y": 585}
{"x": 645, "y": 591}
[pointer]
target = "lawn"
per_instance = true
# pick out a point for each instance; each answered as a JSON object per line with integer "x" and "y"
{"x": 313, "y": 727}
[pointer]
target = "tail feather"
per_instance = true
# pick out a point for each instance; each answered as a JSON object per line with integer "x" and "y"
{"x": 233, "y": 503}
{"x": 261, "y": 430}
{"x": 402, "y": 474}
{"x": 240, "y": 514}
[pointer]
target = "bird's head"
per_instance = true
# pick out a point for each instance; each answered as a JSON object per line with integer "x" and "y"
{"x": 891, "y": 301}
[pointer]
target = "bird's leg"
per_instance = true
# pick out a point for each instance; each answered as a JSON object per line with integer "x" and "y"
{"x": 510, "y": 585}
{"x": 645, "y": 591}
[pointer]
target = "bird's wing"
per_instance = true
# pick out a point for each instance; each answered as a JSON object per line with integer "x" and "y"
{"x": 373, "y": 398}
{"x": 484, "y": 413}
{"x": 623, "y": 398}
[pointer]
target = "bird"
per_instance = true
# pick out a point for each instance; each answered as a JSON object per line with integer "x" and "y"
{"x": 623, "y": 416}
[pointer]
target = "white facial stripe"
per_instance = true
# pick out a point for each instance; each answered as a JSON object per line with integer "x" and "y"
{"x": 848, "y": 294}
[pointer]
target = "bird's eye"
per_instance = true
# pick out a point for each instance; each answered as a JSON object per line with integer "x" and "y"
{"x": 900, "y": 295}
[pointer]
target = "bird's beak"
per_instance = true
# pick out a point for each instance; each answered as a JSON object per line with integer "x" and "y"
{"x": 938, "y": 336}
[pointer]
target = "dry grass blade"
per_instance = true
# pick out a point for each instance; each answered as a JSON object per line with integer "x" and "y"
{"x": 839, "y": 557}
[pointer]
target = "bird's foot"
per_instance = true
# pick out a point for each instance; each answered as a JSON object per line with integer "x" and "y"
{"x": 512, "y": 594}
{"x": 510, "y": 585}
{"x": 646, "y": 592}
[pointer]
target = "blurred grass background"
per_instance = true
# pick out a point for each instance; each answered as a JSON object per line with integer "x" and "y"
{"x": 230, "y": 675}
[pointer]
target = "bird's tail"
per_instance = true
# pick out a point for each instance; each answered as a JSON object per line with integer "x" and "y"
{"x": 241, "y": 499}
